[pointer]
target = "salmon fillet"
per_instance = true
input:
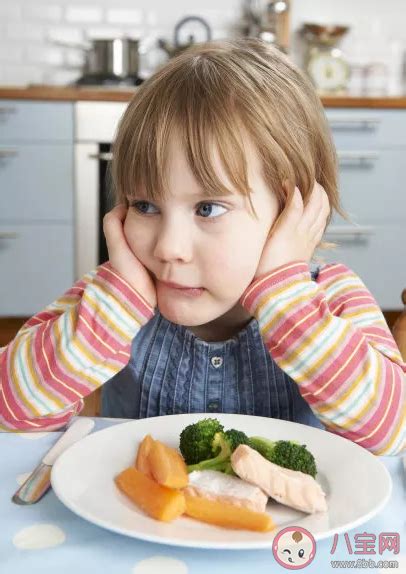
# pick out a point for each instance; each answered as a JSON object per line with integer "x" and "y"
{"x": 289, "y": 487}
{"x": 215, "y": 485}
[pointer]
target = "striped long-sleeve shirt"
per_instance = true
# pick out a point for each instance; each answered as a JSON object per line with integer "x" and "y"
{"x": 328, "y": 335}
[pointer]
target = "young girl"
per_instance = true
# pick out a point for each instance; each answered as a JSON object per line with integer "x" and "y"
{"x": 210, "y": 301}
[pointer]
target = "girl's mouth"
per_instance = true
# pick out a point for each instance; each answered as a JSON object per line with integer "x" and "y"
{"x": 187, "y": 291}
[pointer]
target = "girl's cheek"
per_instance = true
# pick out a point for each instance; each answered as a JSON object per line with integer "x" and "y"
{"x": 238, "y": 261}
{"x": 246, "y": 245}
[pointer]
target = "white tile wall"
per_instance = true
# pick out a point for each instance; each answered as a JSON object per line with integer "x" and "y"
{"x": 122, "y": 16}
{"x": 44, "y": 12}
{"x": 63, "y": 33}
{"x": 9, "y": 10}
{"x": 28, "y": 30}
{"x": 81, "y": 15}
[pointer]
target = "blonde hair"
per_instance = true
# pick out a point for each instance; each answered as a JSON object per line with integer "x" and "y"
{"x": 215, "y": 94}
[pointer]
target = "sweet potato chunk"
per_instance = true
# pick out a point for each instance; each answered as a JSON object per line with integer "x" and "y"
{"x": 227, "y": 515}
{"x": 141, "y": 461}
{"x": 167, "y": 466}
{"x": 157, "y": 501}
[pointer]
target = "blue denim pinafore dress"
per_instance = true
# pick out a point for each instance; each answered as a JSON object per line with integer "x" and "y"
{"x": 172, "y": 371}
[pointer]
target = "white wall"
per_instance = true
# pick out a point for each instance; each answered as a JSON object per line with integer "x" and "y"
{"x": 27, "y": 54}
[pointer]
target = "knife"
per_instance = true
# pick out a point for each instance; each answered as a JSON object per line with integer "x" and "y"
{"x": 39, "y": 481}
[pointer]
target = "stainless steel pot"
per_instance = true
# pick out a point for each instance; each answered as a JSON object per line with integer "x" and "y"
{"x": 119, "y": 57}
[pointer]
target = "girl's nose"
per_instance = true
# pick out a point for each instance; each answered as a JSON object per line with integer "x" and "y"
{"x": 173, "y": 242}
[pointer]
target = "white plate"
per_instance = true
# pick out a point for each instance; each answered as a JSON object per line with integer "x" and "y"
{"x": 356, "y": 483}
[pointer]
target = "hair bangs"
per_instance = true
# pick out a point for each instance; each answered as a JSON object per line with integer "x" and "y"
{"x": 211, "y": 139}
{"x": 209, "y": 127}
{"x": 220, "y": 99}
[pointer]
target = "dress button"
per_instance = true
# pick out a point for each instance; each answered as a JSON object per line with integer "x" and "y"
{"x": 217, "y": 362}
{"x": 213, "y": 406}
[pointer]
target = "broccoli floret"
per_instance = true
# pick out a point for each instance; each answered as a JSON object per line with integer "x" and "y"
{"x": 286, "y": 453}
{"x": 223, "y": 445}
{"x": 196, "y": 440}
{"x": 235, "y": 438}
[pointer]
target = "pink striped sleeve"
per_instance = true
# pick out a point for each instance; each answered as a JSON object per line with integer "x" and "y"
{"x": 68, "y": 350}
{"x": 331, "y": 338}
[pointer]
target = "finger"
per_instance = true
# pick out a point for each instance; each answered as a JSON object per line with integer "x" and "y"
{"x": 313, "y": 206}
{"x": 319, "y": 235}
{"x": 113, "y": 218}
{"x": 113, "y": 228}
{"x": 120, "y": 211}
{"x": 324, "y": 212}
{"x": 294, "y": 205}
{"x": 291, "y": 214}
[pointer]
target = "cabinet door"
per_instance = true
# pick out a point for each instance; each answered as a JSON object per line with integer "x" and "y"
{"x": 36, "y": 121}
{"x": 37, "y": 266}
{"x": 371, "y": 185}
{"x": 378, "y": 258}
{"x": 36, "y": 182}
{"x": 367, "y": 128}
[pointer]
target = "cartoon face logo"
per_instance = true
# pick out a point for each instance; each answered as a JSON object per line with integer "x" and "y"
{"x": 294, "y": 547}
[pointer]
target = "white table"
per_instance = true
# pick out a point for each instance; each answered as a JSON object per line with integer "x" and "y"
{"x": 47, "y": 537}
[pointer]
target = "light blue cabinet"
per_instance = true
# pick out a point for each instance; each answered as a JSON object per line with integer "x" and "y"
{"x": 36, "y": 182}
{"x": 38, "y": 266}
{"x": 371, "y": 146}
{"x": 371, "y": 184}
{"x": 24, "y": 121}
{"x": 36, "y": 204}
{"x": 370, "y": 128}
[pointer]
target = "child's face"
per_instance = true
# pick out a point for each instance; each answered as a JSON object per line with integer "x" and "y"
{"x": 214, "y": 243}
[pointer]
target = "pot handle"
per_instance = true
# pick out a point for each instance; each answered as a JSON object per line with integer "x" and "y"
{"x": 76, "y": 45}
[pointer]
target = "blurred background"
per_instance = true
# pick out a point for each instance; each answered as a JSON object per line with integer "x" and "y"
{"x": 30, "y": 31}
{"x": 68, "y": 69}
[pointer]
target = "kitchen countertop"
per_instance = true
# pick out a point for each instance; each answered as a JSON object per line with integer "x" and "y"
{"x": 124, "y": 94}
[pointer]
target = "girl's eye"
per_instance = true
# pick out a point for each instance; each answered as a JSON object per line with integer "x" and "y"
{"x": 206, "y": 209}
{"x": 301, "y": 553}
{"x": 142, "y": 206}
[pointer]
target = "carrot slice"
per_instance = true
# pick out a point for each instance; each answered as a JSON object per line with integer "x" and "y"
{"x": 141, "y": 461}
{"x": 227, "y": 515}
{"x": 167, "y": 465}
{"x": 157, "y": 501}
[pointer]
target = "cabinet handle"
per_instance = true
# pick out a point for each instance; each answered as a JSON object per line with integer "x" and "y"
{"x": 8, "y": 153}
{"x": 8, "y": 110}
{"x": 350, "y": 232}
{"x": 9, "y": 235}
{"x": 354, "y": 123}
{"x": 360, "y": 157}
{"x": 103, "y": 156}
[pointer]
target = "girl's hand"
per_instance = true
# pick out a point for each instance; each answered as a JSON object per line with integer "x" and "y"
{"x": 122, "y": 259}
{"x": 297, "y": 231}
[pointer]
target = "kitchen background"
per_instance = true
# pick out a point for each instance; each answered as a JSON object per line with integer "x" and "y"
{"x": 27, "y": 29}
{"x": 55, "y": 134}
